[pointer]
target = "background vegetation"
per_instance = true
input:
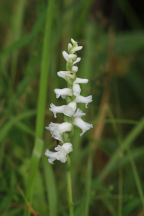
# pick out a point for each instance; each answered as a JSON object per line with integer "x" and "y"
{"x": 107, "y": 163}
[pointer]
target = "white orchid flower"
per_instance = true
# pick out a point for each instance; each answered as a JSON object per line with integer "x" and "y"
{"x": 65, "y": 74}
{"x": 63, "y": 92}
{"x": 84, "y": 126}
{"x": 60, "y": 154}
{"x": 57, "y": 129}
{"x": 67, "y": 110}
{"x": 82, "y": 99}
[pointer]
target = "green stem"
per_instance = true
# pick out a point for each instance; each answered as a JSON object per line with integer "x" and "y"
{"x": 88, "y": 184}
{"x": 45, "y": 64}
{"x": 69, "y": 187}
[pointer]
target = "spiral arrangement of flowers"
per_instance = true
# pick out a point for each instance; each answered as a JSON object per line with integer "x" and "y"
{"x": 73, "y": 114}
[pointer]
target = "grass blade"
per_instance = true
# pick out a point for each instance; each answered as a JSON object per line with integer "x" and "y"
{"x": 38, "y": 146}
{"x": 137, "y": 178}
{"x": 50, "y": 187}
{"x": 127, "y": 142}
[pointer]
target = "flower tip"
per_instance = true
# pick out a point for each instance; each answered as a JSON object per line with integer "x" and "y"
{"x": 69, "y": 46}
{"x": 65, "y": 55}
{"x": 73, "y": 41}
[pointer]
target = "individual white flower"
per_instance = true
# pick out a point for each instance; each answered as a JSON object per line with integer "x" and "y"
{"x": 84, "y": 126}
{"x": 77, "y": 60}
{"x": 65, "y": 74}
{"x": 57, "y": 129}
{"x": 56, "y": 109}
{"x": 80, "y": 80}
{"x": 67, "y": 110}
{"x": 79, "y": 113}
{"x": 74, "y": 68}
{"x": 63, "y": 92}
{"x": 60, "y": 154}
{"x": 69, "y": 57}
{"x": 76, "y": 89}
{"x": 82, "y": 99}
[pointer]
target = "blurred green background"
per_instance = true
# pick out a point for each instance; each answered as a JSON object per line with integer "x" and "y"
{"x": 108, "y": 161}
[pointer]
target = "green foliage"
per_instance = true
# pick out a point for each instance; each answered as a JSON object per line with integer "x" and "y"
{"x": 107, "y": 167}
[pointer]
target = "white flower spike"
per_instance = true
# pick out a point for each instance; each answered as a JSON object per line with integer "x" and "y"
{"x": 71, "y": 110}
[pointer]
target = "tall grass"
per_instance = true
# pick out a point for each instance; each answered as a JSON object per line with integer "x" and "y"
{"x": 107, "y": 173}
{"x": 45, "y": 67}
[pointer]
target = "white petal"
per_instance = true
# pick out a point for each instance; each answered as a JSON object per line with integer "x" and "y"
{"x": 76, "y": 89}
{"x": 61, "y": 157}
{"x": 80, "y": 80}
{"x": 84, "y": 126}
{"x": 65, "y": 74}
{"x": 65, "y": 55}
{"x": 79, "y": 113}
{"x": 73, "y": 41}
{"x": 74, "y": 68}
{"x": 63, "y": 92}
{"x": 51, "y": 156}
{"x": 75, "y": 49}
{"x": 67, "y": 147}
{"x": 67, "y": 110}
{"x": 56, "y": 109}
{"x": 65, "y": 126}
{"x": 69, "y": 46}
{"x": 60, "y": 154}
{"x": 69, "y": 57}
{"x": 72, "y": 106}
{"x": 82, "y": 99}
{"x": 72, "y": 57}
{"x": 56, "y": 129}
{"x": 77, "y": 60}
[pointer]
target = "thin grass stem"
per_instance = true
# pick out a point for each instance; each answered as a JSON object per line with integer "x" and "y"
{"x": 137, "y": 178}
{"x": 125, "y": 144}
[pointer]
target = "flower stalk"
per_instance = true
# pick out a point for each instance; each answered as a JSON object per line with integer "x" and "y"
{"x": 69, "y": 186}
{"x": 73, "y": 114}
